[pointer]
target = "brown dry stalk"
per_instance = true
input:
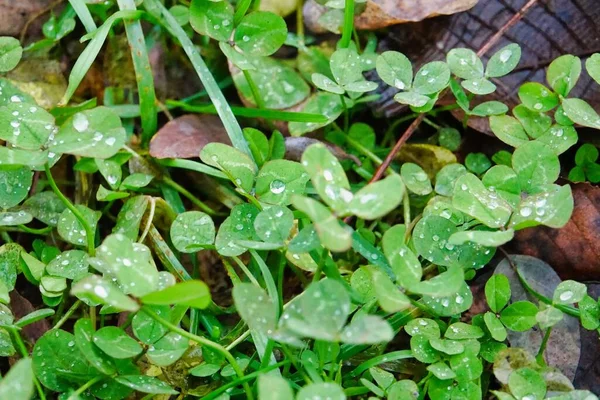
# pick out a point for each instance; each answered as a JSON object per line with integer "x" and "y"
{"x": 415, "y": 124}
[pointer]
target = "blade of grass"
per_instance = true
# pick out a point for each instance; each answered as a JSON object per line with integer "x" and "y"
{"x": 241, "y": 10}
{"x": 276, "y": 115}
{"x": 84, "y": 15}
{"x": 192, "y": 166}
{"x": 348, "y": 24}
{"x": 143, "y": 73}
{"x": 87, "y": 57}
{"x": 158, "y": 10}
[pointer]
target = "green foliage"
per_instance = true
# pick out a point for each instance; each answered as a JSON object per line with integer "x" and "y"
{"x": 330, "y": 258}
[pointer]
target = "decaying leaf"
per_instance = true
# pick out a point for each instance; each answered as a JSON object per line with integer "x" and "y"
{"x": 574, "y": 250}
{"x": 43, "y": 79}
{"x": 588, "y": 372}
{"x": 185, "y": 136}
{"x": 549, "y": 29}
{"x": 564, "y": 345}
{"x": 15, "y": 14}
{"x": 381, "y": 13}
{"x": 429, "y": 157}
{"x": 20, "y": 306}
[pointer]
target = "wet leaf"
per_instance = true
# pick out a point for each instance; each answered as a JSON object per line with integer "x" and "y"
{"x": 322, "y": 390}
{"x": 327, "y": 104}
{"x": 260, "y": 33}
{"x": 84, "y": 336}
{"x": 26, "y": 126}
{"x": 96, "y": 133}
{"x": 72, "y": 264}
{"x": 274, "y": 224}
{"x": 192, "y": 231}
{"x": 71, "y": 230}
{"x": 10, "y": 53}
{"x": 572, "y": 250}
{"x": 415, "y": 179}
{"x": 101, "y": 291}
{"x": 377, "y": 199}
{"x": 116, "y": 343}
{"x": 474, "y": 199}
{"x": 237, "y": 165}
{"x": 58, "y": 363}
{"x": 145, "y": 384}
{"x": 214, "y": 19}
{"x": 192, "y": 293}
{"x": 289, "y": 89}
{"x": 332, "y": 235}
{"x": 17, "y": 384}
{"x": 278, "y": 180}
{"x": 45, "y": 206}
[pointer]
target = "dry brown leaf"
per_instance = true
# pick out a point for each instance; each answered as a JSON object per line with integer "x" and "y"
{"x": 14, "y": 14}
{"x": 574, "y": 250}
{"x": 381, "y": 13}
{"x": 185, "y": 136}
{"x": 549, "y": 29}
{"x": 20, "y": 307}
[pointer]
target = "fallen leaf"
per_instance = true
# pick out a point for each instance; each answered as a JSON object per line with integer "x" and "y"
{"x": 574, "y": 250}
{"x": 41, "y": 78}
{"x": 549, "y": 29}
{"x": 564, "y": 344}
{"x": 15, "y": 14}
{"x": 429, "y": 157}
{"x": 20, "y": 307}
{"x": 588, "y": 371}
{"x": 186, "y": 136}
{"x": 381, "y": 13}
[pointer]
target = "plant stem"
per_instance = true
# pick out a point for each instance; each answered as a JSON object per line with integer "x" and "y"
{"x": 204, "y": 342}
{"x": 89, "y": 233}
{"x": 432, "y": 124}
{"x": 540, "y": 354}
{"x": 406, "y": 207}
{"x": 348, "y": 24}
{"x": 84, "y": 387}
{"x": 254, "y": 89}
{"x": 174, "y": 185}
{"x": 346, "y": 114}
{"x": 243, "y": 380}
{"x": 246, "y": 271}
{"x": 300, "y": 23}
{"x": 33, "y": 231}
{"x": 23, "y": 350}
{"x": 149, "y": 220}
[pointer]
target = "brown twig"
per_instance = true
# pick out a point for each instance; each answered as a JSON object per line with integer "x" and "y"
{"x": 415, "y": 124}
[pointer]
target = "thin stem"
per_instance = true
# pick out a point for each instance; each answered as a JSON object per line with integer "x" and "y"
{"x": 300, "y": 23}
{"x": 149, "y": 221}
{"x": 204, "y": 342}
{"x": 183, "y": 191}
{"x": 239, "y": 340}
{"x": 392, "y": 154}
{"x": 254, "y": 89}
{"x": 33, "y": 231}
{"x": 432, "y": 124}
{"x": 363, "y": 150}
{"x": 406, "y": 207}
{"x": 23, "y": 350}
{"x": 540, "y": 354}
{"x": 246, "y": 271}
{"x": 348, "y": 24}
{"x": 84, "y": 387}
{"x": 346, "y": 113}
{"x": 89, "y": 233}
{"x": 243, "y": 380}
